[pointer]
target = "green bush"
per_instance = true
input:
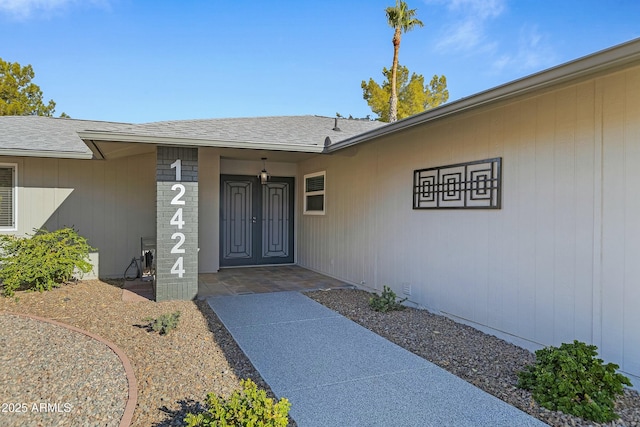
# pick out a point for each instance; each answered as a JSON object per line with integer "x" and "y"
{"x": 572, "y": 380}
{"x": 42, "y": 261}
{"x": 387, "y": 301}
{"x": 165, "y": 323}
{"x": 246, "y": 407}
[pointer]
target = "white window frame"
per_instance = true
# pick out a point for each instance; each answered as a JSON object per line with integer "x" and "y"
{"x": 14, "y": 195}
{"x": 315, "y": 193}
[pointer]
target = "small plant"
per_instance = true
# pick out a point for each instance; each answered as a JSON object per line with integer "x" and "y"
{"x": 387, "y": 301}
{"x": 247, "y": 407}
{"x": 572, "y": 380}
{"x": 165, "y": 323}
{"x": 42, "y": 261}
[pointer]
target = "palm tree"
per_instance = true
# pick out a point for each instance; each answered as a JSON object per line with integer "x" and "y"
{"x": 401, "y": 19}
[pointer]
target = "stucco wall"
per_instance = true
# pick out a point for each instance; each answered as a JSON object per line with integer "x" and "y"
{"x": 556, "y": 263}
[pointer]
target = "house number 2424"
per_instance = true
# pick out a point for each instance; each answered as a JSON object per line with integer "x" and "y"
{"x": 177, "y": 221}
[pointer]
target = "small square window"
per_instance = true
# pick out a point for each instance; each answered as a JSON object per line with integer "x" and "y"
{"x": 314, "y": 193}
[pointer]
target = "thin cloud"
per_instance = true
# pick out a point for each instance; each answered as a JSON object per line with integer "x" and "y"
{"x": 467, "y": 30}
{"x": 472, "y": 30}
{"x": 481, "y": 8}
{"x": 533, "y": 53}
{"x": 23, "y": 9}
{"x": 466, "y": 36}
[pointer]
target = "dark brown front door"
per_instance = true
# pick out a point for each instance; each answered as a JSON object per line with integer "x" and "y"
{"x": 256, "y": 221}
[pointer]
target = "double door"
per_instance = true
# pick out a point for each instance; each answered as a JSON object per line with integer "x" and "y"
{"x": 256, "y": 221}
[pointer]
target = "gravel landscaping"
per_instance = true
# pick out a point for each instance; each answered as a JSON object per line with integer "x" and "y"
{"x": 483, "y": 360}
{"x": 42, "y": 388}
{"x": 174, "y": 372}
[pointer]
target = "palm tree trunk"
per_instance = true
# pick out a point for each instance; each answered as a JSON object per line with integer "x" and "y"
{"x": 393, "y": 100}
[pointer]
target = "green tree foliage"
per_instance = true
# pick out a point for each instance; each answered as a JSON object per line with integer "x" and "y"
{"x": 401, "y": 19}
{"x": 414, "y": 96}
{"x": 19, "y": 96}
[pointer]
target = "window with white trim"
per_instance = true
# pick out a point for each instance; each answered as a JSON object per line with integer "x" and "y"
{"x": 7, "y": 196}
{"x": 314, "y": 193}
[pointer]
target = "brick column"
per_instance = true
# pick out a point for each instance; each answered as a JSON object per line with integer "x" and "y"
{"x": 176, "y": 224}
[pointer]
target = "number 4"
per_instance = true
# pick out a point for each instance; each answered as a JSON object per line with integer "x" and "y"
{"x": 178, "y": 267}
{"x": 177, "y": 219}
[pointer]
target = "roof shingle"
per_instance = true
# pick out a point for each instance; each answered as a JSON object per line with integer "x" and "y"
{"x": 58, "y": 137}
{"x": 47, "y": 136}
{"x": 302, "y": 130}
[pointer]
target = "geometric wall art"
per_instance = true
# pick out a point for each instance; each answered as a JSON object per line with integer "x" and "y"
{"x": 472, "y": 185}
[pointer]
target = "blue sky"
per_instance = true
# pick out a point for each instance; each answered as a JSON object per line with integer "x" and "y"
{"x": 141, "y": 61}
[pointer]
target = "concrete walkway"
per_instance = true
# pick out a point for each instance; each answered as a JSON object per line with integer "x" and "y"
{"x": 337, "y": 373}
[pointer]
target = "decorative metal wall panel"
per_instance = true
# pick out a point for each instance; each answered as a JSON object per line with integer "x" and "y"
{"x": 473, "y": 185}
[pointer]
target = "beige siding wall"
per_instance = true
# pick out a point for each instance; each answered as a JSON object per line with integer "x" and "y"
{"x": 112, "y": 203}
{"x": 208, "y": 210}
{"x": 620, "y": 270}
{"x": 556, "y": 263}
{"x": 253, "y": 168}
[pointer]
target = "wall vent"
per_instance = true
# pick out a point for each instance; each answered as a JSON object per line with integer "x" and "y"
{"x": 406, "y": 288}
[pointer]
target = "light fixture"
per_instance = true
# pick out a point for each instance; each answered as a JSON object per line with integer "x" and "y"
{"x": 264, "y": 175}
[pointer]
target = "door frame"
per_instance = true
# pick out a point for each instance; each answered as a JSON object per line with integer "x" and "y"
{"x": 257, "y": 225}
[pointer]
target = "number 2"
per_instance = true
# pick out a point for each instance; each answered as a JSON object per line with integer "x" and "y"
{"x": 181, "y": 190}
{"x": 176, "y": 249}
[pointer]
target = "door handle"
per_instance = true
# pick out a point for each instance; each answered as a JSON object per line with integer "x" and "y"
{"x": 253, "y": 219}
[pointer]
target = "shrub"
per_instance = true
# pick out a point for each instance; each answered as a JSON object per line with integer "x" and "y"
{"x": 387, "y": 301}
{"x": 247, "y": 407}
{"x": 165, "y": 323}
{"x": 42, "y": 261}
{"x": 572, "y": 380}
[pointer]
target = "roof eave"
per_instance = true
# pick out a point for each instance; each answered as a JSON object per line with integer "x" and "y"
{"x": 613, "y": 57}
{"x": 46, "y": 154}
{"x": 89, "y": 137}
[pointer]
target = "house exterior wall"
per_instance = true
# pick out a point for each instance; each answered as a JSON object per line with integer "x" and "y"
{"x": 111, "y": 203}
{"x": 253, "y": 168}
{"x": 209, "y": 210}
{"x": 555, "y": 263}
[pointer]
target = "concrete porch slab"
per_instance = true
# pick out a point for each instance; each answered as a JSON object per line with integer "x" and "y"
{"x": 244, "y": 280}
{"x": 253, "y": 280}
